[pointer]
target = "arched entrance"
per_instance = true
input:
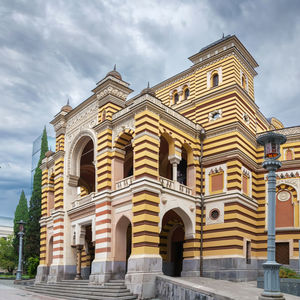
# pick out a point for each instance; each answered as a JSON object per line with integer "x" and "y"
{"x": 88, "y": 252}
{"x": 122, "y": 249}
{"x": 171, "y": 243}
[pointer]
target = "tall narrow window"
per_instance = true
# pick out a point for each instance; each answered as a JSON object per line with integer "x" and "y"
{"x": 243, "y": 81}
{"x": 216, "y": 183}
{"x": 215, "y": 80}
{"x": 245, "y": 184}
{"x": 289, "y": 154}
{"x": 176, "y": 98}
{"x": 186, "y": 93}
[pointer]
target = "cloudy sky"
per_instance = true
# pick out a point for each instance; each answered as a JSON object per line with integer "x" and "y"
{"x": 54, "y": 50}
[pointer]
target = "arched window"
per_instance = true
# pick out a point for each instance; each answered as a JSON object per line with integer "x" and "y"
{"x": 243, "y": 81}
{"x": 186, "y": 93}
{"x": 215, "y": 80}
{"x": 175, "y": 98}
{"x": 103, "y": 115}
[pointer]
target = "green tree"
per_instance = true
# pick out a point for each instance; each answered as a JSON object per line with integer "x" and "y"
{"x": 7, "y": 254}
{"x": 32, "y": 233}
{"x": 21, "y": 213}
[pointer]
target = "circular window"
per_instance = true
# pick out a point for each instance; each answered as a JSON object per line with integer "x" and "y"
{"x": 216, "y": 115}
{"x": 246, "y": 118}
{"x": 214, "y": 214}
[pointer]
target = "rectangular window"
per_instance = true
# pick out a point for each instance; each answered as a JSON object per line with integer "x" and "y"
{"x": 245, "y": 184}
{"x": 283, "y": 253}
{"x": 248, "y": 252}
{"x": 217, "y": 183}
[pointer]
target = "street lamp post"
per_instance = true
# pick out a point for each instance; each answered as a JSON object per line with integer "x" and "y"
{"x": 21, "y": 234}
{"x": 271, "y": 142}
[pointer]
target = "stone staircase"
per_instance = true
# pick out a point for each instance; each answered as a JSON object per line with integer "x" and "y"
{"x": 80, "y": 289}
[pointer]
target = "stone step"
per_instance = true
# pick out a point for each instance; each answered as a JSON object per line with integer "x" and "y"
{"x": 90, "y": 291}
{"x": 118, "y": 281}
{"x": 113, "y": 284}
{"x": 73, "y": 286}
{"x": 82, "y": 296}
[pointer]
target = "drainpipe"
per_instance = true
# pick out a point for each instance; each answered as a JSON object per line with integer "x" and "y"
{"x": 202, "y": 135}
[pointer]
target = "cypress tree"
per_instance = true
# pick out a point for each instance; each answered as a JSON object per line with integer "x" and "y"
{"x": 21, "y": 213}
{"x": 32, "y": 234}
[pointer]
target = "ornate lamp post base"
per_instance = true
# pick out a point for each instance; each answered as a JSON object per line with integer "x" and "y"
{"x": 271, "y": 282}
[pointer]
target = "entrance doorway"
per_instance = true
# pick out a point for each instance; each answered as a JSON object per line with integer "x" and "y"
{"x": 128, "y": 244}
{"x": 171, "y": 243}
{"x": 123, "y": 246}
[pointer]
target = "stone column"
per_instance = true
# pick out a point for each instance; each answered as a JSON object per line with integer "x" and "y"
{"x": 145, "y": 262}
{"x": 78, "y": 263}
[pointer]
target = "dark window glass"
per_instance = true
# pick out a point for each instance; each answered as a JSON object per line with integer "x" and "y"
{"x": 176, "y": 98}
{"x": 216, "y": 116}
{"x": 214, "y": 214}
{"x": 186, "y": 93}
{"x": 215, "y": 80}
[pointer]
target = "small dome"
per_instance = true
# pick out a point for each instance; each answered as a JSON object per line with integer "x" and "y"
{"x": 49, "y": 153}
{"x": 66, "y": 108}
{"x": 114, "y": 73}
{"x": 148, "y": 90}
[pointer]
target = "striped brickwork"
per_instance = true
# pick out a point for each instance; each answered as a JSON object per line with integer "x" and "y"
{"x": 58, "y": 239}
{"x": 106, "y": 111}
{"x": 146, "y": 203}
{"x": 103, "y": 167}
{"x": 85, "y": 259}
{"x": 103, "y": 230}
{"x": 58, "y": 220}
{"x": 197, "y": 80}
{"x": 43, "y": 229}
{"x": 60, "y": 143}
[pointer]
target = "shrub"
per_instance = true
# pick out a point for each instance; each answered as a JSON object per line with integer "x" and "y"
{"x": 285, "y": 272}
{"x": 32, "y": 265}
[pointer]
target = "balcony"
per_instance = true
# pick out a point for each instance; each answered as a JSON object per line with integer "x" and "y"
{"x": 121, "y": 184}
{"x": 83, "y": 200}
{"x": 165, "y": 182}
{"x": 175, "y": 185}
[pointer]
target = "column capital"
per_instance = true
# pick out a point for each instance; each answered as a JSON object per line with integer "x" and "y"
{"x": 174, "y": 159}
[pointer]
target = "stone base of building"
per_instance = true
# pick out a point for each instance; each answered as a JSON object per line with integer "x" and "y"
{"x": 101, "y": 272}
{"x": 141, "y": 275}
{"x": 61, "y": 272}
{"x": 42, "y": 274}
{"x": 85, "y": 272}
{"x": 233, "y": 269}
{"x": 190, "y": 268}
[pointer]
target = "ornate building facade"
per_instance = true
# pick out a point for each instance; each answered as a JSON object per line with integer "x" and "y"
{"x": 122, "y": 194}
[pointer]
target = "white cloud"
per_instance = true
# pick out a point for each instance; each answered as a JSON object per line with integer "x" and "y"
{"x": 52, "y": 50}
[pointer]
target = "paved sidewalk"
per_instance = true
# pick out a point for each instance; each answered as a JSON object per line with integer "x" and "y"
{"x": 232, "y": 290}
{"x": 9, "y": 291}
